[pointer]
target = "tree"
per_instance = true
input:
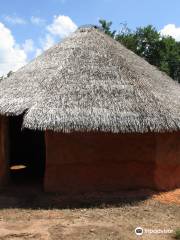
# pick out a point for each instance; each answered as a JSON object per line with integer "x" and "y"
{"x": 145, "y": 42}
{"x": 170, "y": 57}
{"x": 163, "y": 52}
{"x": 126, "y": 37}
{"x": 148, "y": 44}
{"x": 106, "y": 26}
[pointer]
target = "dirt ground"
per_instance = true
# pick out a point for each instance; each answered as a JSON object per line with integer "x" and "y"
{"x": 28, "y": 213}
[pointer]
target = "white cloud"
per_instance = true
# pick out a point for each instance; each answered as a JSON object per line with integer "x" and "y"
{"x": 47, "y": 42}
{"x": 37, "y": 21}
{"x": 12, "y": 56}
{"x": 38, "y": 52}
{"x": 62, "y": 26}
{"x": 14, "y": 20}
{"x": 28, "y": 46}
{"x": 171, "y": 30}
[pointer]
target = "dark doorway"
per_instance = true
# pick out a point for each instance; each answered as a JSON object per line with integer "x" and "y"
{"x": 26, "y": 153}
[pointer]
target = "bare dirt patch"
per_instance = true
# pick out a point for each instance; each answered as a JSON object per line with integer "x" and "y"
{"x": 168, "y": 197}
{"x": 24, "y": 236}
{"x": 89, "y": 232}
{"x": 27, "y": 214}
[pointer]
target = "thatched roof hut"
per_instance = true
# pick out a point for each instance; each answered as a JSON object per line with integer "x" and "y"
{"x": 91, "y": 83}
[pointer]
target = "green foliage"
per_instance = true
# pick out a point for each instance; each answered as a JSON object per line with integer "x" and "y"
{"x": 170, "y": 57}
{"x": 107, "y": 27}
{"x": 147, "y": 42}
{"x": 127, "y": 38}
{"x": 177, "y": 234}
{"x": 163, "y": 52}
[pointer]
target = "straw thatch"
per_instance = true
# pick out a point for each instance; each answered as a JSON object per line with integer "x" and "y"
{"x": 91, "y": 82}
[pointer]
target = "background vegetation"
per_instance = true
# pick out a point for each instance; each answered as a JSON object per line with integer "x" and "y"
{"x": 147, "y": 42}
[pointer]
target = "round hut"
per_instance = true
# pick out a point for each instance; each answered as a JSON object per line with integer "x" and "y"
{"x": 90, "y": 115}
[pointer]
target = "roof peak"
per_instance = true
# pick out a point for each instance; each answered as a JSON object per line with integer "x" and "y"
{"x": 88, "y": 27}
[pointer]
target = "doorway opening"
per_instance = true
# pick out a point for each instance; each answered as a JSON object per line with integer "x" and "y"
{"x": 26, "y": 153}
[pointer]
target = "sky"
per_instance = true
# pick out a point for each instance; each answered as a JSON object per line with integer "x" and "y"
{"x": 29, "y": 27}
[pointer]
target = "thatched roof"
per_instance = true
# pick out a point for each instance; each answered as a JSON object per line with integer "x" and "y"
{"x": 91, "y": 82}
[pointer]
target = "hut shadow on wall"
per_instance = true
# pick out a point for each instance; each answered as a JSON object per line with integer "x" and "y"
{"x": 26, "y": 153}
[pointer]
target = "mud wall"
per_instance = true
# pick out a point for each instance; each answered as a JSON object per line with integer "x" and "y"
{"x": 99, "y": 162}
{"x": 167, "y": 170}
{"x": 3, "y": 152}
{"x": 84, "y": 162}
